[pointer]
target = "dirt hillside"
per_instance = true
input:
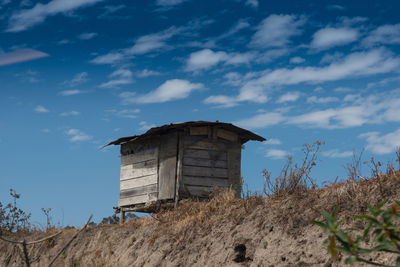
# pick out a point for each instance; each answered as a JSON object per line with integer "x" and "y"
{"x": 225, "y": 231}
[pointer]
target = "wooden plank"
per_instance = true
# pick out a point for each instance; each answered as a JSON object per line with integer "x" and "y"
{"x": 227, "y": 135}
{"x": 205, "y": 162}
{"x": 178, "y": 181}
{"x": 138, "y": 182}
{"x": 205, "y": 154}
{"x": 167, "y": 166}
{"x": 144, "y": 147}
{"x": 137, "y": 200}
{"x": 195, "y": 142}
{"x": 206, "y": 181}
{"x": 138, "y": 191}
{"x": 138, "y": 169}
{"x": 136, "y": 158}
{"x": 234, "y": 177}
{"x": 198, "y": 130}
{"x": 204, "y": 171}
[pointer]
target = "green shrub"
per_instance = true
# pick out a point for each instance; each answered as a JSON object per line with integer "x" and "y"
{"x": 381, "y": 226}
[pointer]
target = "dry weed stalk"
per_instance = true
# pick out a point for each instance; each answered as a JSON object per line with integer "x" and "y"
{"x": 294, "y": 178}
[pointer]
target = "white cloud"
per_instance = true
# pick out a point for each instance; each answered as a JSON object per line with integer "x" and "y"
{"x": 276, "y": 154}
{"x": 147, "y": 73}
{"x": 276, "y": 31}
{"x": 335, "y": 7}
{"x": 386, "y": 34}
{"x": 273, "y": 141}
{"x": 45, "y": 130}
{"x": 41, "y": 109}
{"x": 77, "y": 79}
{"x": 152, "y": 42}
{"x": 330, "y": 37}
{"x": 375, "y": 61}
{"x": 78, "y": 135}
{"x": 20, "y": 56}
{"x": 335, "y": 153}
{"x": 289, "y": 97}
{"x": 87, "y": 35}
{"x": 382, "y": 144}
{"x": 26, "y": 18}
{"x": 169, "y": 3}
{"x": 125, "y": 113}
{"x": 119, "y": 77}
{"x": 356, "y": 111}
{"x": 297, "y": 60}
{"x": 143, "y": 45}
{"x": 170, "y": 90}
{"x": 110, "y": 58}
{"x": 71, "y": 92}
{"x": 262, "y": 120}
{"x": 70, "y": 113}
{"x": 144, "y": 126}
{"x": 221, "y": 101}
{"x": 252, "y": 3}
{"x": 206, "y": 58}
{"x": 322, "y": 100}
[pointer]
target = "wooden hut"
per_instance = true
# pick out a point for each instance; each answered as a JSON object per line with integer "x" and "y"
{"x": 177, "y": 161}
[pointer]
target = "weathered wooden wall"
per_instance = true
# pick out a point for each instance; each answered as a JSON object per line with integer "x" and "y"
{"x": 139, "y": 172}
{"x": 198, "y": 161}
{"x": 207, "y": 156}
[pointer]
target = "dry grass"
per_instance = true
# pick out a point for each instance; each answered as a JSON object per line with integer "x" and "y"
{"x": 193, "y": 218}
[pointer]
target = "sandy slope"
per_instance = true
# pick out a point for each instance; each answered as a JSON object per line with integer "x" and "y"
{"x": 223, "y": 232}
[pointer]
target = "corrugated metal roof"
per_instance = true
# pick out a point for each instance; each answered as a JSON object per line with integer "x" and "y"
{"x": 244, "y": 135}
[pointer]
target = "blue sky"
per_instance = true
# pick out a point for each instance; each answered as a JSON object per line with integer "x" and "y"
{"x": 76, "y": 74}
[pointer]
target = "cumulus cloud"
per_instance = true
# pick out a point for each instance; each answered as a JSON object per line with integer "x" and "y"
{"x": 289, "y": 97}
{"x": 321, "y": 100}
{"x": 169, "y": 3}
{"x": 170, "y": 90}
{"x": 71, "y": 92}
{"x": 297, "y": 60}
{"x": 41, "y": 109}
{"x": 382, "y": 144}
{"x": 206, "y": 58}
{"x": 386, "y": 34}
{"x": 273, "y": 141}
{"x": 70, "y": 113}
{"x": 147, "y": 73}
{"x": 330, "y": 37}
{"x": 356, "y": 64}
{"x": 27, "y": 18}
{"x": 276, "y": 31}
{"x": 144, "y": 126}
{"x": 87, "y": 35}
{"x": 143, "y": 45}
{"x": 78, "y": 136}
{"x": 221, "y": 101}
{"x": 335, "y": 153}
{"x": 252, "y": 3}
{"x": 125, "y": 113}
{"x": 20, "y": 56}
{"x": 79, "y": 78}
{"x": 119, "y": 77}
{"x": 261, "y": 120}
{"x": 276, "y": 154}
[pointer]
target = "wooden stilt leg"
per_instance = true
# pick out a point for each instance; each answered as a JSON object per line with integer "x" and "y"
{"x": 122, "y": 217}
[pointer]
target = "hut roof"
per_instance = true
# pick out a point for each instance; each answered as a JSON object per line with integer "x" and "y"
{"x": 244, "y": 135}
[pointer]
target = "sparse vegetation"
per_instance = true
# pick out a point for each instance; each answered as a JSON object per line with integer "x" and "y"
{"x": 12, "y": 218}
{"x": 294, "y": 177}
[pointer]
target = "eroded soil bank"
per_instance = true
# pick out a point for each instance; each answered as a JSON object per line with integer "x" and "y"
{"x": 222, "y": 232}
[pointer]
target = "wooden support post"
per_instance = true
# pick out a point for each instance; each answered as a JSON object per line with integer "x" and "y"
{"x": 122, "y": 216}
